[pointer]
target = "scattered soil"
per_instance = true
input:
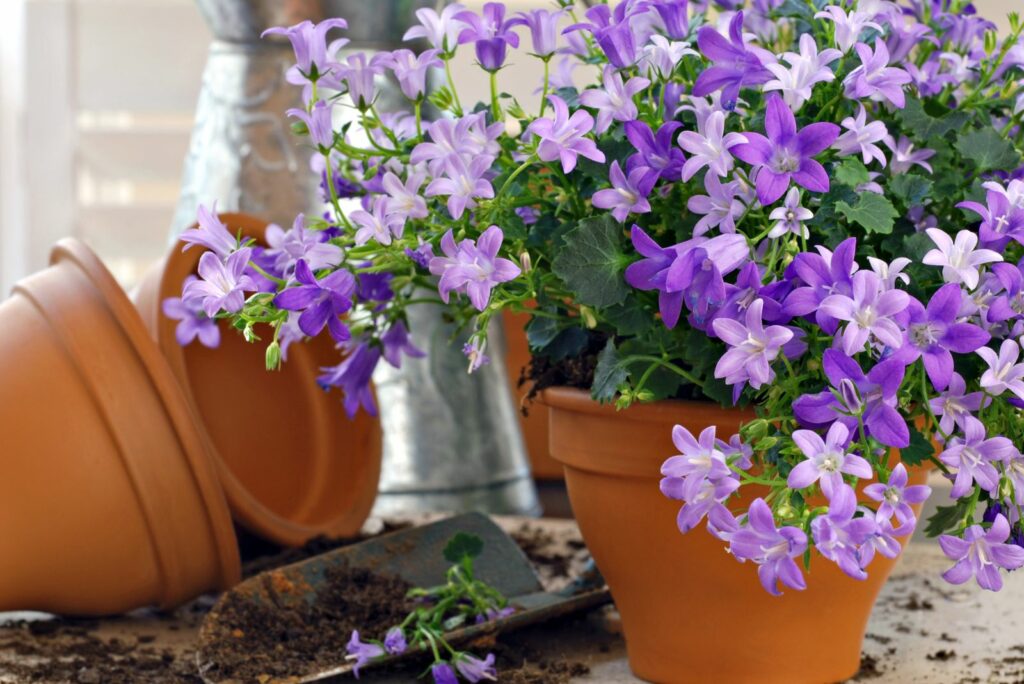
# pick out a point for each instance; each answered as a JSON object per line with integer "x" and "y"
{"x": 869, "y": 668}
{"x": 518, "y": 662}
{"x": 942, "y": 655}
{"x": 261, "y": 637}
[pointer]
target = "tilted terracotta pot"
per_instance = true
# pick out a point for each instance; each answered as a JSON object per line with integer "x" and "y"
{"x": 690, "y": 611}
{"x": 535, "y": 423}
{"x": 292, "y": 464}
{"x": 109, "y": 498}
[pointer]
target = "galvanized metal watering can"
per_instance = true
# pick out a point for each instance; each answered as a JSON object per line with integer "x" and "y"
{"x": 452, "y": 441}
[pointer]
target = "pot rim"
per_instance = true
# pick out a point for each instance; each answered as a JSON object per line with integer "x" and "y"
{"x": 246, "y": 507}
{"x": 184, "y": 423}
{"x": 580, "y": 401}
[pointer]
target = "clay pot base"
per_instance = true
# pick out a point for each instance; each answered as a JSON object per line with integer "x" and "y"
{"x": 690, "y": 611}
{"x": 292, "y": 464}
{"x": 102, "y": 457}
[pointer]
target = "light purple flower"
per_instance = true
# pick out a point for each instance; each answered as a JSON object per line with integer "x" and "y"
{"x": 1003, "y": 373}
{"x": 980, "y": 554}
{"x": 959, "y": 260}
{"x": 615, "y": 100}
{"x": 440, "y": 30}
{"x": 827, "y": 460}
{"x": 883, "y": 540}
{"x": 287, "y": 247}
{"x": 752, "y": 348}
{"x": 395, "y": 342}
{"x": 210, "y": 233}
{"x": 411, "y": 70}
{"x": 320, "y": 301}
{"x": 463, "y": 184}
{"x": 221, "y": 285}
{"x": 790, "y": 217}
{"x": 394, "y": 641}
{"x": 490, "y": 33}
{"x": 661, "y": 55}
{"x": 562, "y": 137}
{"x": 786, "y": 154}
{"x": 309, "y": 41}
{"x": 473, "y": 669}
{"x": 474, "y": 352}
{"x": 318, "y": 123}
{"x": 627, "y": 195}
{"x": 443, "y": 674}
{"x": 543, "y": 26}
{"x": 720, "y": 207}
{"x": 353, "y": 376}
{"x": 736, "y": 64}
{"x": 955, "y": 405}
{"x": 673, "y": 15}
{"x": 655, "y": 151}
{"x": 773, "y": 549}
{"x": 848, "y": 26}
{"x": 817, "y": 276}
{"x": 806, "y": 69}
{"x": 473, "y": 268}
{"x": 860, "y": 138}
{"x": 933, "y": 332}
{"x": 875, "y": 79}
{"x": 895, "y": 497}
{"x": 905, "y": 157}
{"x": 869, "y": 312}
{"x": 1002, "y": 220}
{"x": 613, "y": 32}
{"x": 701, "y": 496}
{"x": 466, "y": 138}
{"x": 838, "y": 535}
{"x": 193, "y": 323}
{"x": 699, "y": 459}
{"x": 377, "y": 224}
{"x": 710, "y": 146}
{"x": 404, "y": 199}
{"x": 973, "y": 456}
{"x": 359, "y": 75}
{"x": 361, "y": 652}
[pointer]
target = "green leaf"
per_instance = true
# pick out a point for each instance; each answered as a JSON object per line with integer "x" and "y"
{"x": 911, "y": 188}
{"x": 463, "y": 546}
{"x": 923, "y": 125}
{"x": 918, "y": 451}
{"x": 852, "y": 172}
{"x": 568, "y": 343}
{"x": 629, "y": 318}
{"x": 541, "y": 331}
{"x": 593, "y": 261}
{"x": 873, "y": 212}
{"x": 947, "y": 517}
{"x": 608, "y": 374}
{"x": 988, "y": 150}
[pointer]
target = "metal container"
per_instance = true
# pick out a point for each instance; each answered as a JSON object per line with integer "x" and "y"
{"x": 452, "y": 441}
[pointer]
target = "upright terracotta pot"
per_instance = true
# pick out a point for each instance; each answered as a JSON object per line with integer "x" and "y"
{"x": 690, "y": 611}
{"x": 292, "y": 464}
{"x": 109, "y": 499}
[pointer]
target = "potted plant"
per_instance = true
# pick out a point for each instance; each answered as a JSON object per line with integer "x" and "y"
{"x": 770, "y": 256}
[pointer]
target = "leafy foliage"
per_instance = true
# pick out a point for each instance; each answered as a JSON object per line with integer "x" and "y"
{"x": 593, "y": 261}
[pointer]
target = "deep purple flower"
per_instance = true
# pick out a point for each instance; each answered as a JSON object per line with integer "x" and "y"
{"x": 318, "y": 123}
{"x": 655, "y": 151}
{"x": 474, "y": 669}
{"x": 443, "y": 674}
{"x": 394, "y": 641}
{"x": 528, "y": 215}
{"x": 838, "y": 535}
{"x": 710, "y": 146}
{"x": 490, "y": 33}
{"x": 875, "y": 79}
{"x": 869, "y": 310}
{"x": 193, "y": 323}
{"x": 395, "y": 342}
{"x": 752, "y": 348}
{"x": 773, "y": 549}
{"x": 411, "y": 70}
{"x": 827, "y": 460}
{"x": 748, "y": 289}
{"x": 422, "y": 255}
{"x": 473, "y": 268}
{"x": 309, "y": 41}
{"x": 627, "y": 195}
{"x": 872, "y": 395}
{"x": 1003, "y": 373}
{"x": 980, "y": 554}
{"x": 563, "y": 137}
{"x": 818, "y": 276}
{"x": 673, "y": 15}
{"x": 543, "y": 26}
{"x": 973, "y": 456}
{"x": 320, "y": 301}
{"x": 736, "y": 64}
{"x": 287, "y": 247}
{"x": 440, "y": 30}
{"x": 1001, "y": 220}
{"x": 786, "y": 154}
{"x": 210, "y": 232}
{"x": 361, "y": 652}
{"x": 932, "y": 333}
{"x": 463, "y": 184}
{"x": 221, "y": 285}
{"x": 612, "y": 31}
{"x": 895, "y": 496}
{"x": 955, "y": 405}
{"x": 720, "y": 207}
{"x": 353, "y": 376}
{"x": 615, "y": 100}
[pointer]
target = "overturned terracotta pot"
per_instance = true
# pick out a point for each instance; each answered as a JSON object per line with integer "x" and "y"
{"x": 292, "y": 464}
{"x": 109, "y": 498}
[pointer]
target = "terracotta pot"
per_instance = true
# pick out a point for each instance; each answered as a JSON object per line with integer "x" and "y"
{"x": 110, "y": 500}
{"x": 292, "y": 464}
{"x": 690, "y": 611}
{"x": 535, "y": 424}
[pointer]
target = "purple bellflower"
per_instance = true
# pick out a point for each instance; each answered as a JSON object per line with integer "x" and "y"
{"x": 473, "y": 268}
{"x": 210, "y": 232}
{"x": 353, "y": 376}
{"x": 563, "y": 137}
{"x": 615, "y": 100}
{"x": 786, "y": 154}
{"x": 361, "y": 652}
{"x": 440, "y": 30}
{"x": 838, "y": 535}
{"x": 773, "y": 549}
{"x": 193, "y": 323}
{"x": 806, "y": 69}
{"x": 973, "y": 457}
{"x": 1001, "y": 220}
{"x": 980, "y": 554}
{"x": 827, "y": 460}
{"x": 790, "y": 217}
{"x": 710, "y": 146}
{"x": 860, "y": 138}
{"x": 443, "y": 673}
{"x": 654, "y": 151}
{"x": 395, "y": 342}
{"x": 875, "y": 79}
{"x": 628, "y": 194}
{"x": 1003, "y": 372}
{"x": 309, "y": 41}
{"x": 955, "y": 404}
{"x": 895, "y": 497}
{"x": 463, "y": 184}
{"x": 720, "y": 207}
{"x": 613, "y": 32}
{"x": 490, "y": 33}
{"x": 959, "y": 260}
{"x": 735, "y": 64}
{"x": 543, "y": 26}
{"x": 818, "y": 276}
{"x": 318, "y": 123}
{"x": 222, "y": 284}
{"x": 869, "y": 310}
{"x": 752, "y": 348}
{"x": 411, "y": 70}
{"x": 474, "y": 670}
{"x": 377, "y": 224}
{"x": 905, "y": 157}
{"x": 394, "y": 641}
{"x": 320, "y": 301}
{"x": 287, "y": 247}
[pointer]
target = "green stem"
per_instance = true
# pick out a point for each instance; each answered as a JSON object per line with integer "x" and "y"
{"x": 451, "y": 85}
{"x": 666, "y": 364}
{"x": 522, "y": 167}
{"x": 419, "y": 118}
{"x": 547, "y": 83}
{"x": 495, "y": 107}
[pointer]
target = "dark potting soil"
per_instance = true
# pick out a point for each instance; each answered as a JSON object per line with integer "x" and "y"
{"x": 259, "y": 638}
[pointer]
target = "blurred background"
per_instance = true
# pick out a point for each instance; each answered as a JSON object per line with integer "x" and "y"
{"x": 97, "y": 99}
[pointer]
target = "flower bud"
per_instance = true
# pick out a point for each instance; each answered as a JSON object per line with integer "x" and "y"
{"x": 513, "y": 127}
{"x": 754, "y": 430}
{"x": 273, "y": 356}
{"x": 525, "y": 262}
{"x": 589, "y": 319}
